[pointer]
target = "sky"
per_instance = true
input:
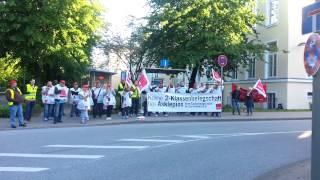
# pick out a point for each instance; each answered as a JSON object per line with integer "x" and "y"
{"x": 118, "y": 13}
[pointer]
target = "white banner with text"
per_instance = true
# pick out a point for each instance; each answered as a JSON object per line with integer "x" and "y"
{"x": 172, "y": 102}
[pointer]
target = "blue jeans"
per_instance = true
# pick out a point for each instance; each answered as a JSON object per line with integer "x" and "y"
{"x": 249, "y": 109}
{"x": 16, "y": 110}
{"x": 48, "y": 111}
{"x": 58, "y": 111}
{"x": 235, "y": 106}
{"x": 29, "y": 108}
{"x": 84, "y": 116}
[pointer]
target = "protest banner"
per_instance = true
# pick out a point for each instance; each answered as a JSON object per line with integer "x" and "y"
{"x": 172, "y": 102}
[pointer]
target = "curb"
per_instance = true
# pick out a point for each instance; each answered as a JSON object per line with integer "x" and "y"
{"x": 159, "y": 122}
{"x": 299, "y": 170}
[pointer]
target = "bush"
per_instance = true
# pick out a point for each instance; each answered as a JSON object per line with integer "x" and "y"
{"x": 4, "y": 110}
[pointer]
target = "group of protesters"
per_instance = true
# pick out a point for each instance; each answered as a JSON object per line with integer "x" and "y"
{"x": 100, "y": 99}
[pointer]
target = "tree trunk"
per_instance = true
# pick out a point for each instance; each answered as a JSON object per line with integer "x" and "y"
{"x": 193, "y": 76}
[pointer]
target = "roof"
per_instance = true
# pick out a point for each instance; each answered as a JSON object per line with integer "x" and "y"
{"x": 101, "y": 71}
{"x": 164, "y": 71}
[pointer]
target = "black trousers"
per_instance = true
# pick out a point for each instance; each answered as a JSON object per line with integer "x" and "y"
{"x": 97, "y": 109}
{"x": 109, "y": 111}
{"x": 135, "y": 106}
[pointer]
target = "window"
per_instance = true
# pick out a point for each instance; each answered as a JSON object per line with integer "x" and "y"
{"x": 252, "y": 68}
{"x": 272, "y": 60}
{"x": 272, "y": 14}
{"x": 309, "y": 94}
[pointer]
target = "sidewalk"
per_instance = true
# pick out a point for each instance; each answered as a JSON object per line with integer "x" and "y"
{"x": 37, "y": 121}
{"x": 297, "y": 171}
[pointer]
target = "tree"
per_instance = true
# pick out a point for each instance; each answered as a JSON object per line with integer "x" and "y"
{"x": 52, "y": 38}
{"x": 195, "y": 32}
{"x": 131, "y": 50}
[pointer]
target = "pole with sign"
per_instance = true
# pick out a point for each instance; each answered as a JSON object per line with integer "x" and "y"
{"x": 312, "y": 63}
{"x": 222, "y": 61}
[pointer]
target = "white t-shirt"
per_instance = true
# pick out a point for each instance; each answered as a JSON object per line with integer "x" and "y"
{"x": 48, "y": 95}
{"x": 126, "y": 99}
{"x": 63, "y": 95}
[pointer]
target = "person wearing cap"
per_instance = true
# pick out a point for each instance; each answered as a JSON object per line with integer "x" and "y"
{"x": 74, "y": 99}
{"x": 61, "y": 97}
{"x": 30, "y": 97}
{"x": 84, "y": 104}
{"x": 98, "y": 93}
{"x": 15, "y": 99}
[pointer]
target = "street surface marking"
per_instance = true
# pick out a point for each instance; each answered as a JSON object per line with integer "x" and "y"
{"x": 195, "y": 136}
{"x": 22, "y": 169}
{"x": 153, "y": 140}
{"x": 305, "y": 135}
{"x": 97, "y": 147}
{"x": 61, "y": 156}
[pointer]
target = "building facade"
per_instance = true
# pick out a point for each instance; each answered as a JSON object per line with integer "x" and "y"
{"x": 282, "y": 71}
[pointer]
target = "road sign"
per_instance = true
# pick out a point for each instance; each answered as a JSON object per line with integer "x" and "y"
{"x": 222, "y": 60}
{"x": 312, "y": 55}
{"x": 311, "y": 18}
{"x": 164, "y": 63}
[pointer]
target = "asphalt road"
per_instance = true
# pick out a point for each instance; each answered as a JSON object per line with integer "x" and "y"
{"x": 177, "y": 151}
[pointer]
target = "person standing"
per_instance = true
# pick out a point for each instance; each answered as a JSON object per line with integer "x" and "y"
{"x": 61, "y": 97}
{"x": 193, "y": 90}
{"x": 30, "y": 97}
{"x": 74, "y": 99}
{"x": 97, "y": 94}
{"x": 235, "y": 99}
{"x": 120, "y": 90}
{"x": 171, "y": 88}
{"x": 15, "y": 100}
{"x": 249, "y": 102}
{"x": 126, "y": 102}
{"x": 48, "y": 100}
{"x": 84, "y": 103}
{"x": 135, "y": 98}
{"x": 161, "y": 89}
{"x": 109, "y": 100}
{"x": 216, "y": 90}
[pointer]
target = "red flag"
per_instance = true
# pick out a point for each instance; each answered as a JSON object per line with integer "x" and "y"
{"x": 259, "y": 87}
{"x": 216, "y": 76}
{"x": 143, "y": 80}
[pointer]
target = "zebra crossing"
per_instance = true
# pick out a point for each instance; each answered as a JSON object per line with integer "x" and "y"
{"x": 122, "y": 144}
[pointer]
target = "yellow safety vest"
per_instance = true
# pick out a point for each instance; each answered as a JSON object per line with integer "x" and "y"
{"x": 31, "y": 94}
{"x": 12, "y": 95}
{"x": 120, "y": 89}
{"x": 135, "y": 93}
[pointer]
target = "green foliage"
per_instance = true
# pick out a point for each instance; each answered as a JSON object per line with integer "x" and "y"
{"x": 195, "y": 32}
{"x": 53, "y": 38}
{"x": 9, "y": 70}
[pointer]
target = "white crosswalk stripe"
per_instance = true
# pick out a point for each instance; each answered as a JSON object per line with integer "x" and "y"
{"x": 153, "y": 140}
{"x": 195, "y": 136}
{"x": 96, "y": 147}
{"x": 59, "y": 156}
{"x": 22, "y": 169}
